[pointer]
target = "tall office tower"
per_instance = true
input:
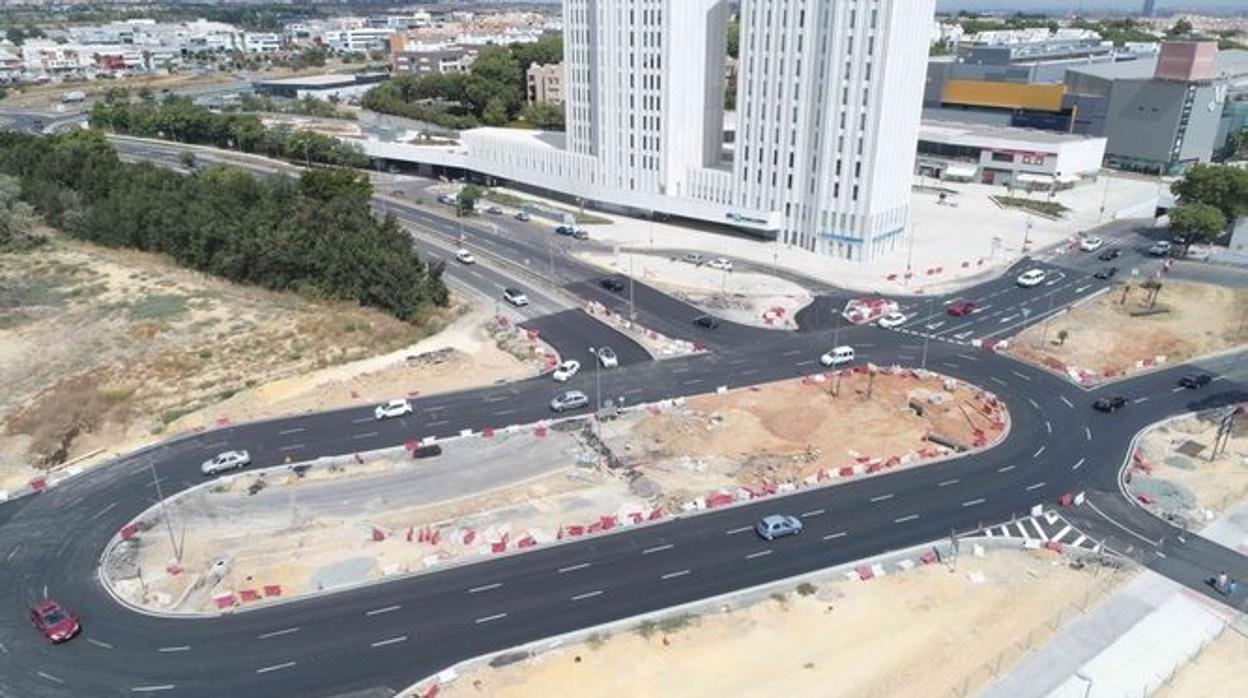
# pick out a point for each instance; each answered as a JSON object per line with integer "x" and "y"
{"x": 829, "y": 97}
{"x": 645, "y": 88}
{"x": 1150, "y": 8}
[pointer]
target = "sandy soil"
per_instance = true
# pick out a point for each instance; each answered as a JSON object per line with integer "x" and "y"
{"x": 741, "y": 296}
{"x": 1107, "y": 338}
{"x": 1218, "y": 671}
{"x": 926, "y": 632}
{"x": 1173, "y": 473}
{"x": 156, "y": 349}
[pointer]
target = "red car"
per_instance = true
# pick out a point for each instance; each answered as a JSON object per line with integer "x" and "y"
{"x": 962, "y": 307}
{"x": 54, "y": 621}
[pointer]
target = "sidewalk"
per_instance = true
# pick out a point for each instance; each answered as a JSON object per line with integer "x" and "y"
{"x": 1133, "y": 641}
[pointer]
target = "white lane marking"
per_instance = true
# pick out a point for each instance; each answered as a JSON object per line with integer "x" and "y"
{"x": 363, "y": 420}
{"x": 574, "y": 568}
{"x": 291, "y": 447}
{"x": 657, "y": 549}
{"x": 1048, "y": 426}
{"x": 1138, "y": 400}
{"x": 379, "y": 611}
{"x": 996, "y": 380}
{"x": 288, "y": 432}
{"x": 673, "y": 575}
{"x": 13, "y": 552}
{"x": 50, "y": 677}
{"x": 275, "y": 667}
{"x": 391, "y": 641}
{"x": 179, "y": 648}
{"x": 974, "y": 502}
{"x": 968, "y": 357}
{"x": 1005, "y": 469}
{"x": 809, "y": 362}
{"x": 439, "y": 422}
{"x": 587, "y": 595}
{"x": 791, "y": 352}
{"x": 881, "y": 498}
{"x": 1178, "y": 389}
{"x": 735, "y": 531}
{"x": 152, "y": 689}
{"x": 486, "y": 587}
{"x": 487, "y": 619}
{"x": 1068, "y": 402}
{"x": 693, "y": 381}
{"x": 1038, "y": 452}
{"x": 1033, "y": 402}
{"x": 1036, "y": 486}
{"x": 681, "y": 369}
{"x": 1078, "y": 465}
{"x": 368, "y": 435}
{"x": 103, "y": 511}
{"x": 946, "y": 483}
{"x": 1104, "y": 516}
{"x": 760, "y": 553}
{"x": 1088, "y": 432}
{"x": 1160, "y": 554}
{"x": 503, "y": 412}
{"x": 277, "y": 633}
{"x": 813, "y": 512}
{"x": 1022, "y": 376}
{"x": 97, "y": 643}
{"x": 904, "y": 519}
{"x": 830, "y": 536}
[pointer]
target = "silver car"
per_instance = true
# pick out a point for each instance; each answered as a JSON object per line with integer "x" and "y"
{"x": 569, "y": 400}
{"x": 229, "y": 460}
{"x": 777, "y": 526}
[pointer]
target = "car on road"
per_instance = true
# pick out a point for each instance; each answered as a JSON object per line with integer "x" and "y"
{"x": 1111, "y": 403}
{"x": 580, "y": 234}
{"x": 569, "y": 400}
{"x": 710, "y": 322}
{"x": 446, "y": 199}
{"x": 1031, "y": 277}
{"x": 393, "y": 408}
{"x": 1106, "y": 273}
{"x": 1109, "y": 254}
{"x": 229, "y": 460}
{"x": 494, "y": 210}
{"x": 465, "y": 257}
{"x": 960, "y": 307}
{"x": 565, "y": 370}
{"x": 891, "y": 320}
{"x": 613, "y": 284}
{"x": 515, "y": 296}
{"x": 775, "y": 526}
{"x": 607, "y": 357}
{"x": 694, "y": 259}
{"x": 1161, "y": 248}
{"x": 1195, "y": 380}
{"x": 564, "y": 230}
{"x": 522, "y": 216}
{"x": 55, "y": 621}
{"x": 1091, "y": 243}
{"x": 720, "y": 263}
{"x": 839, "y": 356}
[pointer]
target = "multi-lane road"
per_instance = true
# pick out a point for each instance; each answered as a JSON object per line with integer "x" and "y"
{"x": 384, "y": 637}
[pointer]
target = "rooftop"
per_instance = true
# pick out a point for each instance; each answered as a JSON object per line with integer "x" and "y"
{"x": 313, "y": 81}
{"x": 1231, "y": 63}
{"x": 986, "y": 135}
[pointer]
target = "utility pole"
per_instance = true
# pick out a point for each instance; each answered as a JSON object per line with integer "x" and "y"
{"x": 927, "y": 337}
{"x": 164, "y": 510}
{"x": 597, "y": 389}
{"x": 632, "y": 309}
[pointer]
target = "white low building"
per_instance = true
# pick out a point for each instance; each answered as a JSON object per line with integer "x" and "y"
{"x": 1026, "y": 158}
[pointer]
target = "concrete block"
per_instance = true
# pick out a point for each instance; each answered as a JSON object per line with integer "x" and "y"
{"x": 1037, "y": 510}
{"x": 977, "y": 550}
{"x": 1031, "y": 544}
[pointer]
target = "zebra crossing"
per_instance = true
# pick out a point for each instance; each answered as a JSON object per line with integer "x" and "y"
{"x": 1049, "y": 527}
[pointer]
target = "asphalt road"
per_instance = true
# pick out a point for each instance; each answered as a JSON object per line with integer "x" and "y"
{"x": 386, "y": 636}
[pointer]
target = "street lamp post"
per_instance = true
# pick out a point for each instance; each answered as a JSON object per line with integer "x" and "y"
{"x": 164, "y": 510}
{"x": 632, "y": 309}
{"x": 597, "y": 386}
{"x": 926, "y": 335}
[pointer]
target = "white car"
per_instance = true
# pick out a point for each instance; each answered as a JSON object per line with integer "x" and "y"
{"x": 566, "y": 370}
{"x": 720, "y": 264}
{"x": 515, "y": 296}
{"x": 893, "y": 319}
{"x": 230, "y": 460}
{"x": 1031, "y": 277}
{"x": 394, "y": 408}
{"x": 1091, "y": 243}
{"x": 465, "y": 257}
{"x": 607, "y": 357}
{"x": 839, "y": 356}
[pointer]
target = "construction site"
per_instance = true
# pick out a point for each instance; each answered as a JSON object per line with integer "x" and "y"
{"x": 339, "y": 522}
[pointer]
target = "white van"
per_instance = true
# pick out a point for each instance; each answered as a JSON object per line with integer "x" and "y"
{"x": 838, "y": 357}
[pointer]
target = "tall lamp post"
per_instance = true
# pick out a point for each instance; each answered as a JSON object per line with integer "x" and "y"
{"x": 597, "y": 384}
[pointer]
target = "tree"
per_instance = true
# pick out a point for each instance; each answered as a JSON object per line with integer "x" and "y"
{"x": 17, "y": 218}
{"x": 734, "y": 38}
{"x": 1222, "y": 186}
{"x": 1180, "y": 28}
{"x": 1153, "y": 286}
{"x": 1197, "y": 222}
{"x": 466, "y": 202}
{"x": 495, "y": 113}
{"x": 545, "y": 115}
{"x": 1062, "y": 334}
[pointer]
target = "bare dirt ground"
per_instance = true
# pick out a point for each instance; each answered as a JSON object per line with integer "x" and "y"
{"x": 1173, "y": 474}
{"x": 103, "y": 349}
{"x": 44, "y": 95}
{"x": 532, "y": 485}
{"x": 1108, "y": 338}
{"x": 1218, "y": 671}
{"x": 926, "y": 632}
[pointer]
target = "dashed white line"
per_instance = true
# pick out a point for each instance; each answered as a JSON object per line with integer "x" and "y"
{"x": 1022, "y": 376}
{"x": 735, "y": 531}
{"x": 1033, "y": 402}
{"x": 288, "y": 432}
{"x": 439, "y": 423}
{"x": 813, "y": 512}
{"x": 50, "y": 677}
{"x": 368, "y": 435}
{"x": 587, "y": 595}
{"x": 103, "y": 511}
{"x": 573, "y": 568}
{"x": 1088, "y": 431}
{"x": 1178, "y": 389}
{"x": 379, "y": 611}
{"x": 946, "y": 483}
{"x": 791, "y": 352}
{"x": 391, "y": 641}
{"x": 1138, "y": 400}
{"x": 486, "y": 587}
{"x": 1036, "y": 486}
{"x": 1005, "y": 469}
{"x": 97, "y": 643}
{"x": 487, "y": 619}
{"x": 673, "y": 575}
{"x": 179, "y": 648}
{"x": 292, "y": 447}
{"x": 760, "y": 553}
{"x": 693, "y": 381}
{"x": 1048, "y": 426}
{"x": 275, "y": 667}
{"x": 904, "y": 519}
{"x": 277, "y": 633}
{"x": 12, "y": 553}
{"x": 152, "y": 689}
{"x": 503, "y": 412}
{"x": 881, "y": 498}
{"x": 1068, "y": 402}
{"x": 657, "y": 549}
{"x": 996, "y": 380}
{"x": 363, "y": 420}
{"x": 1038, "y": 452}
{"x": 974, "y": 502}
{"x": 838, "y": 534}
{"x": 809, "y": 362}
{"x": 1078, "y": 465}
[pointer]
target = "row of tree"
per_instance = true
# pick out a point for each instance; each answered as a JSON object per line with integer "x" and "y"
{"x": 1210, "y": 198}
{"x": 315, "y": 235}
{"x": 179, "y": 119}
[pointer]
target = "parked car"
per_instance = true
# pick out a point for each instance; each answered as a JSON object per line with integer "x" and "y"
{"x": 465, "y": 257}
{"x": 1106, "y": 273}
{"x": 1091, "y": 243}
{"x": 394, "y": 408}
{"x": 839, "y": 356}
{"x": 446, "y": 199}
{"x": 891, "y": 320}
{"x": 1031, "y": 277}
{"x": 613, "y": 284}
{"x": 720, "y": 263}
{"x": 494, "y": 210}
{"x": 607, "y": 357}
{"x": 565, "y": 370}
{"x": 694, "y": 259}
{"x": 522, "y": 216}
{"x": 776, "y": 526}
{"x": 569, "y": 400}
{"x": 229, "y": 460}
{"x": 580, "y": 234}
{"x": 565, "y": 230}
{"x": 55, "y": 621}
{"x": 1109, "y": 254}
{"x": 1110, "y": 404}
{"x": 1195, "y": 380}
{"x": 710, "y": 322}
{"x": 1161, "y": 248}
{"x": 960, "y": 307}
{"x": 515, "y": 296}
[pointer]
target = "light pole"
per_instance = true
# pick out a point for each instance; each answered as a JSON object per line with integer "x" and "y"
{"x": 164, "y": 510}
{"x": 632, "y": 309}
{"x": 597, "y": 386}
{"x": 926, "y": 335}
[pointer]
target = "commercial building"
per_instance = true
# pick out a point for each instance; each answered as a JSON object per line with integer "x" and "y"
{"x": 407, "y": 56}
{"x": 345, "y": 86}
{"x": 545, "y": 83}
{"x": 1005, "y": 156}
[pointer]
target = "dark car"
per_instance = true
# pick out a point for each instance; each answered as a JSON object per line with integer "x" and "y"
{"x": 565, "y": 230}
{"x": 1106, "y": 273}
{"x": 55, "y": 622}
{"x": 961, "y": 307}
{"x": 613, "y": 284}
{"x": 1195, "y": 380}
{"x": 710, "y": 322}
{"x": 1110, "y": 404}
{"x": 1108, "y": 254}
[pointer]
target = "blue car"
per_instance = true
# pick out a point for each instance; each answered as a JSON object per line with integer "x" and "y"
{"x": 777, "y": 526}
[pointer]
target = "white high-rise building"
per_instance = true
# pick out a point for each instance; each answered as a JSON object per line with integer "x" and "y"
{"x": 828, "y": 106}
